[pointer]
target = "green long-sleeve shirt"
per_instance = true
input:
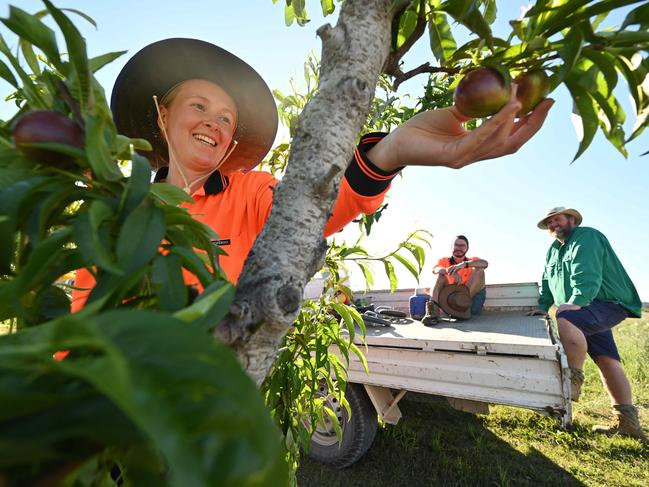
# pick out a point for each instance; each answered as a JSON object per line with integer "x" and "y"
{"x": 585, "y": 268}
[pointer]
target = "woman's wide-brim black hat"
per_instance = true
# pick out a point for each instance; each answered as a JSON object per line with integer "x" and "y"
{"x": 160, "y": 66}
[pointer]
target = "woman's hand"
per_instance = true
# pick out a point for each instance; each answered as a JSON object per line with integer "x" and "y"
{"x": 438, "y": 137}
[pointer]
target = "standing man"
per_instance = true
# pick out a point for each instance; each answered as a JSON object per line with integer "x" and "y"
{"x": 593, "y": 292}
{"x": 458, "y": 269}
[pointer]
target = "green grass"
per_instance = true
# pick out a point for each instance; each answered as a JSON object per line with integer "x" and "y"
{"x": 436, "y": 445}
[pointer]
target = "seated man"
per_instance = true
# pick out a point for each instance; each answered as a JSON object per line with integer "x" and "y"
{"x": 458, "y": 269}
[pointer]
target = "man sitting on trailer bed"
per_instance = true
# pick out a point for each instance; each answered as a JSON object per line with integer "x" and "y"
{"x": 458, "y": 269}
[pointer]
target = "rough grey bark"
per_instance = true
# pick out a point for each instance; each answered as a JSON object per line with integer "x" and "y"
{"x": 291, "y": 248}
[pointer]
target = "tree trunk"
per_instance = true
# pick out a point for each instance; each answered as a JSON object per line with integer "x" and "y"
{"x": 291, "y": 247}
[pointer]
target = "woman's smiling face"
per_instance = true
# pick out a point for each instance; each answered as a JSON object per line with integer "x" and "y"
{"x": 200, "y": 119}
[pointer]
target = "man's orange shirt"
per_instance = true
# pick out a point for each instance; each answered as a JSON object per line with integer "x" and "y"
{"x": 236, "y": 208}
{"x": 464, "y": 273}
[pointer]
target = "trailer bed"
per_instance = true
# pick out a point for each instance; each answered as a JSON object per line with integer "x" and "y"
{"x": 499, "y": 357}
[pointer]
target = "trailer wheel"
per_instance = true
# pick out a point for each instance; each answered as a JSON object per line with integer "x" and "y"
{"x": 358, "y": 432}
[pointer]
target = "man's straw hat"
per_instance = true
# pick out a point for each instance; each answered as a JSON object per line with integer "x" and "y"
{"x": 455, "y": 301}
{"x": 558, "y": 211}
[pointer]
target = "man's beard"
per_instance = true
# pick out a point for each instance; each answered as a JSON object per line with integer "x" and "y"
{"x": 562, "y": 233}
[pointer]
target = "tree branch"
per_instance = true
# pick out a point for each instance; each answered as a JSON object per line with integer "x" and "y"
{"x": 291, "y": 247}
{"x": 400, "y": 76}
{"x": 391, "y": 66}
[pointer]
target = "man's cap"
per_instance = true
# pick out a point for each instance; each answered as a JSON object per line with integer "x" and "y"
{"x": 163, "y": 65}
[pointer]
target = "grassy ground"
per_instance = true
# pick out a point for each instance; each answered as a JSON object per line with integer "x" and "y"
{"x": 436, "y": 445}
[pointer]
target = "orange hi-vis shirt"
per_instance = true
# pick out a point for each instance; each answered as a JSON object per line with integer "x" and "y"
{"x": 236, "y": 208}
{"x": 464, "y": 273}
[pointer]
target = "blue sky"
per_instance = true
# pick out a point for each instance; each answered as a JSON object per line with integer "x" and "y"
{"x": 495, "y": 203}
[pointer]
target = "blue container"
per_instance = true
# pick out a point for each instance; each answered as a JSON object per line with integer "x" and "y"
{"x": 418, "y": 304}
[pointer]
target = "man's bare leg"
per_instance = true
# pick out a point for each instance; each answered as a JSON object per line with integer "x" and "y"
{"x": 476, "y": 282}
{"x": 574, "y": 343}
{"x": 614, "y": 380}
{"x": 441, "y": 283}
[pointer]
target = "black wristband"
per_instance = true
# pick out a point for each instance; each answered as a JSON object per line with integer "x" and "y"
{"x": 362, "y": 175}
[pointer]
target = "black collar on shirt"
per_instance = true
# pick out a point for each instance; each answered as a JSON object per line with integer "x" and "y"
{"x": 452, "y": 260}
{"x": 215, "y": 184}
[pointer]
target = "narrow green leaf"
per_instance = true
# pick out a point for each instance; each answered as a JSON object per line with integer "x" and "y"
{"x": 637, "y": 16}
{"x": 88, "y": 235}
{"x": 389, "y": 271}
{"x": 606, "y": 64}
{"x": 96, "y": 63}
{"x": 30, "y": 56}
{"x": 367, "y": 273}
{"x": 327, "y": 7}
{"x": 354, "y": 348}
{"x": 7, "y": 75}
{"x": 167, "y": 276}
{"x": 29, "y": 88}
{"x": 408, "y": 265}
{"x": 467, "y": 13}
{"x": 98, "y": 151}
{"x": 76, "y": 51}
{"x": 170, "y": 194}
{"x": 82, "y": 15}
{"x": 137, "y": 187}
{"x": 570, "y": 51}
{"x": 32, "y": 30}
{"x": 140, "y": 237}
{"x": 442, "y": 42}
{"x": 343, "y": 311}
{"x": 491, "y": 11}
{"x": 584, "y": 116}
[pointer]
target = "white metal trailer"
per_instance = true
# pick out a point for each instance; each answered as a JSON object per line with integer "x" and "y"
{"x": 499, "y": 357}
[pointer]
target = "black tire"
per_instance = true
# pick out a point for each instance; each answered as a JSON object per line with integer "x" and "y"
{"x": 358, "y": 432}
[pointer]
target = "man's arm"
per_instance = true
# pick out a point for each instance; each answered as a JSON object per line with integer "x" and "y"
{"x": 477, "y": 264}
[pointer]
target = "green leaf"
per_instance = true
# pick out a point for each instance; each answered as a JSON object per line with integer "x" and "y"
{"x": 408, "y": 265}
{"x": 585, "y": 116}
{"x": 167, "y": 276}
{"x": 407, "y": 25}
{"x": 418, "y": 253}
{"x": 637, "y": 16}
{"x": 98, "y": 150}
{"x": 210, "y": 307}
{"x": 389, "y": 271}
{"x": 327, "y": 7}
{"x": 7, "y": 75}
{"x": 32, "y": 30}
{"x": 367, "y": 273}
{"x": 90, "y": 238}
{"x": 570, "y": 51}
{"x": 633, "y": 80}
{"x": 82, "y": 15}
{"x": 289, "y": 14}
{"x": 194, "y": 264}
{"x": 175, "y": 390}
{"x": 137, "y": 187}
{"x": 491, "y": 11}
{"x": 606, "y": 64}
{"x": 169, "y": 194}
{"x": 30, "y": 56}
{"x": 30, "y": 89}
{"x": 96, "y": 63}
{"x": 140, "y": 237}
{"x": 343, "y": 311}
{"x": 76, "y": 51}
{"x": 442, "y": 42}
{"x": 467, "y": 13}
{"x": 572, "y": 13}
